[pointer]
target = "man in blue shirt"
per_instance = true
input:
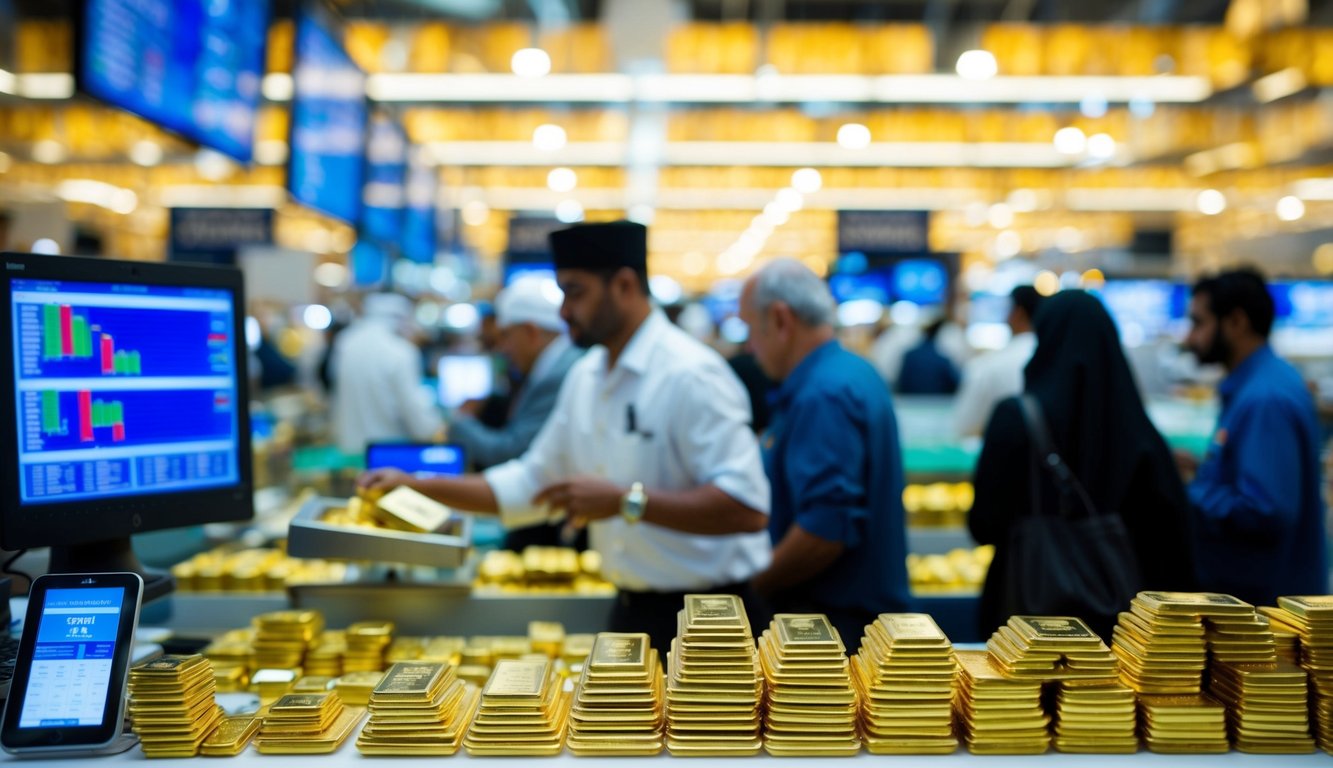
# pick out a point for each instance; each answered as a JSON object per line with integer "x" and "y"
{"x": 1258, "y": 514}
{"x": 832, "y": 458}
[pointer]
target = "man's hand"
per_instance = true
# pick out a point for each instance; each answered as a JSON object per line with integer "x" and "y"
{"x": 383, "y": 479}
{"x": 583, "y": 499}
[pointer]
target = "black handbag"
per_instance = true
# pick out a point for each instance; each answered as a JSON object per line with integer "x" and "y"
{"x": 1070, "y": 561}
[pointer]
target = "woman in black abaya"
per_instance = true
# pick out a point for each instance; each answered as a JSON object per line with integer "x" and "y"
{"x": 1098, "y": 424}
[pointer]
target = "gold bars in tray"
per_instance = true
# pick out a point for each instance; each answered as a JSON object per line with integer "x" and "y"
{"x": 1183, "y": 724}
{"x": 1267, "y": 706}
{"x": 811, "y": 704}
{"x": 905, "y": 675}
{"x": 524, "y": 711}
{"x": 171, "y": 705}
{"x": 1098, "y": 718}
{"x": 1051, "y": 648}
{"x": 418, "y": 708}
{"x": 307, "y": 724}
{"x": 713, "y": 680}
{"x": 998, "y": 715}
{"x": 1311, "y": 618}
{"x": 618, "y": 704}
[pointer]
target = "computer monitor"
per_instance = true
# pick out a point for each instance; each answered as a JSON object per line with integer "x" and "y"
{"x": 420, "y": 459}
{"x": 122, "y": 406}
{"x": 465, "y": 377}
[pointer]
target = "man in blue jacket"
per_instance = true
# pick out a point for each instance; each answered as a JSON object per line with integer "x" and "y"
{"x": 1258, "y": 513}
{"x": 832, "y": 456}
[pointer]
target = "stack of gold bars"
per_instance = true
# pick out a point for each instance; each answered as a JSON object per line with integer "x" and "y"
{"x": 714, "y": 684}
{"x": 999, "y": 715}
{"x": 1051, "y": 648}
{"x": 233, "y": 657}
{"x": 307, "y": 724}
{"x": 1095, "y": 717}
{"x": 419, "y": 708}
{"x": 546, "y": 637}
{"x": 618, "y": 703}
{"x": 1267, "y": 705}
{"x": 905, "y": 674}
{"x": 283, "y": 637}
{"x": 524, "y": 711}
{"x": 366, "y": 643}
{"x": 810, "y": 701}
{"x": 171, "y": 705}
{"x": 1160, "y": 644}
{"x": 1183, "y": 723}
{"x": 354, "y": 688}
{"x": 1312, "y": 619}
{"x": 231, "y": 737}
{"x": 326, "y": 657}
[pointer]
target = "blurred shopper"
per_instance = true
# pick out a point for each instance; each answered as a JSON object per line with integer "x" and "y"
{"x": 926, "y": 370}
{"x": 1080, "y": 380}
{"x": 648, "y": 443}
{"x": 1258, "y": 514}
{"x": 378, "y": 393}
{"x": 992, "y": 377}
{"x": 757, "y": 386}
{"x": 832, "y": 457}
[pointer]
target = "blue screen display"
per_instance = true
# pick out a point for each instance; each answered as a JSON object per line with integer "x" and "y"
{"x": 328, "y": 135}
{"x": 194, "y": 67}
{"x": 386, "y": 173}
{"x": 420, "y": 460}
{"x": 419, "y": 225}
{"x": 123, "y": 389}
{"x": 1146, "y": 309}
{"x": 919, "y": 281}
{"x": 516, "y": 271}
{"x": 70, "y": 675}
{"x": 1302, "y": 304}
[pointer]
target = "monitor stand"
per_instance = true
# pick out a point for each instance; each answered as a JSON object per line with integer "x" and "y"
{"x": 111, "y": 556}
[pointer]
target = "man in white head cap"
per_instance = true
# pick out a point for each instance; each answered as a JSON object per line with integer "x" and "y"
{"x": 377, "y": 379}
{"x": 532, "y": 339}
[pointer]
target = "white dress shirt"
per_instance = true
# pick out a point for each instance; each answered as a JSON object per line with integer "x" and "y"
{"x": 377, "y": 390}
{"x": 689, "y": 427}
{"x": 987, "y": 380}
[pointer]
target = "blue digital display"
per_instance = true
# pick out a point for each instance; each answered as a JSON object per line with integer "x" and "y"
{"x": 72, "y": 659}
{"x": 419, "y": 224}
{"x": 919, "y": 281}
{"x": 873, "y": 286}
{"x": 1302, "y": 304}
{"x": 194, "y": 67}
{"x": 328, "y": 118}
{"x": 123, "y": 389}
{"x": 1144, "y": 310}
{"x": 417, "y": 459}
{"x": 386, "y": 173}
{"x": 514, "y": 272}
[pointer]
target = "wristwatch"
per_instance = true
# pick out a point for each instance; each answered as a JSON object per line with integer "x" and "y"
{"x": 633, "y": 503}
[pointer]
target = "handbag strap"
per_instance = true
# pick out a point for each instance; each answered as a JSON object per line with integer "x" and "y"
{"x": 1044, "y": 453}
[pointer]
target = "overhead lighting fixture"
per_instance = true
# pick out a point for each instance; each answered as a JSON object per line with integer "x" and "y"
{"x": 549, "y": 137}
{"x": 1000, "y": 216}
{"x": 1290, "y": 208}
{"x": 1046, "y": 282}
{"x": 146, "y": 153}
{"x": 641, "y": 213}
{"x": 1279, "y": 85}
{"x": 331, "y": 274}
{"x": 531, "y": 62}
{"x": 1211, "y": 202}
{"x": 212, "y": 166}
{"x": 806, "y": 181}
{"x": 1093, "y": 105}
{"x": 277, "y": 86}
{"x": 853, "y": 136}
{"x": 1101, "y": 146}
{"x": 476, "y": 213}
{"x": 1008, "y": 244}
{"x": 562, "y": 179}
{"x": 1070, "y": 141}
{"x": 569, "y": 211}
{"x": 977, "y": 65}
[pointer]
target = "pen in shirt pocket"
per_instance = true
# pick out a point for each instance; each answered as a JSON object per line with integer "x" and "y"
{"x": 632, "y": 423}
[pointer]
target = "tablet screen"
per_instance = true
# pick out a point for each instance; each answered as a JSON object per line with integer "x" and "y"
{"x": 72, "y": 658}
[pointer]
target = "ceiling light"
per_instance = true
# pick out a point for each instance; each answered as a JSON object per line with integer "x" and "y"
{"x": 146, "y": 153}
{"x": 1210, "y": 202}
{"x": 806, "y": 181}
{"x": 530, "y": 62}
{"x": 1008, "y": 244}
{"x": 562, "y": 179}
{"x": 1070, "y": 141}
{"x": 330, "y": 274}
{"x": 1093, "y": 105}
{"x": 549, "y": 137}
{"x": 1101, "y": 146}
{"x": 976, "y": 65}
{"x": 1046, "y": 282}
{"x": 1000, "y": 216}
{"x": 475, "y": 213}
{"x": 853, "y": 136}
{"x": 1290, "y": 208}
{"x": 569, "y": 211}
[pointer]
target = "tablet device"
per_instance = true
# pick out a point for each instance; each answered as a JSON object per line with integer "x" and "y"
{"x": 465, "y": 377}
{"x": 68, "y": 691}
{"x": 420, "y": 459}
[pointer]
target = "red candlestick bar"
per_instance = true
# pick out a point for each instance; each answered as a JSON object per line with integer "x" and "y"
{"x": 86, "y": 416}
{"x": 66, "y": 330}
{"x": 118, "y": 432}
{"x": 108, "y": 355}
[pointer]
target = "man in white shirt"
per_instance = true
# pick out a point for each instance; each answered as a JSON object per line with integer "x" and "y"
{"x": 649, "y": 444}
{"x": 992, "y": 377}
{"x": 377, "y": 379}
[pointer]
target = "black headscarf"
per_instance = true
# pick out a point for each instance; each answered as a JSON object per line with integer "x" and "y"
{"x": 1098, "y": 423}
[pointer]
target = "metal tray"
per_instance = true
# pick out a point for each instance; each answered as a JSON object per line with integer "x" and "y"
{"x": 310, "y": 536}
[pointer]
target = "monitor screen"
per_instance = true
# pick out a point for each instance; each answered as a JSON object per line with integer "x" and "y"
{"x": 386, "y": 174}
{"x": 417, "y": 459}
{"x": 194, "y": 67}
{"x": 543, "y": 271}
{"x": 924, "y": 282}
{"x": 1306, "y": 304}
{"x": 123, "y": 394}
{"x": 419, "y": 225}
{"x": 465, "y": 377}
{"x": 325, "y": 167}
{"x": 1145, "y": 310}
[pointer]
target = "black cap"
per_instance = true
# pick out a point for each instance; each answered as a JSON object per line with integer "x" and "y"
{"x": 611, "y": 245}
